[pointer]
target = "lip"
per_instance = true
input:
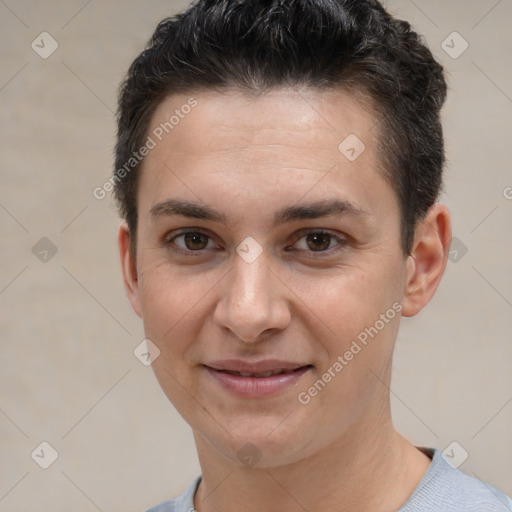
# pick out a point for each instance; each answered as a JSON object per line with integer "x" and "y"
{"x": 252, "y": 386}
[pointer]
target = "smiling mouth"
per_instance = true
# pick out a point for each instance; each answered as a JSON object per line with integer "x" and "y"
{"x": 260, "y": 375}
{"x": 257, "y": 382}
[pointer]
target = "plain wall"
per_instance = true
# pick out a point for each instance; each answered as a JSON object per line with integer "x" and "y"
{"x": 68, "y": 373}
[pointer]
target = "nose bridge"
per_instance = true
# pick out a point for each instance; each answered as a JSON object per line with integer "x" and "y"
{"x": 250, "y": 292}
{"x": 250, "y": 283}
{"x": 250, "y": 302}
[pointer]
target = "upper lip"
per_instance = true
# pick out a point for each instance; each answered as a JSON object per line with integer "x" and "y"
{"x": 267, "y": 365}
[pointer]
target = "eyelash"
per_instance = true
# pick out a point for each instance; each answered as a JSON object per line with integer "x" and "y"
{"x": 341, "y": 242}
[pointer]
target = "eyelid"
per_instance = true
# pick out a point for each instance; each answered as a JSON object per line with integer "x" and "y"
{"x": 167, "y": 239}
{"x": 173, "y": 234}
{"x": 342, "y": 240}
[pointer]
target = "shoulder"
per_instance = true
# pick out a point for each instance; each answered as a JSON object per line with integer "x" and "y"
{"x": 448, "y": 489}
{"x": 165, "y": 506}
{"x": 184, "y": 503}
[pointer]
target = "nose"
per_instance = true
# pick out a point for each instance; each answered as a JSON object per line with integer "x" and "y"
{"x": 253, "y": 302}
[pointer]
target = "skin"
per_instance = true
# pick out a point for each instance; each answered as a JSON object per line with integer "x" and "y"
{"x": 247, "y": 158}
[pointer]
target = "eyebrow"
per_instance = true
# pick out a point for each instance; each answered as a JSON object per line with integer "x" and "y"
{"x": 287, "y": 214}
{"x": 318, "y": 209}
{"x": 186, "y": 209}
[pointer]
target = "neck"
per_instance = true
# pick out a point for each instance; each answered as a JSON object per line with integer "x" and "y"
{"x": 370, "y": 468}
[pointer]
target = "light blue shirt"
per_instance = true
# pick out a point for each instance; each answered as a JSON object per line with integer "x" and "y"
{"x": 442, "y": 489}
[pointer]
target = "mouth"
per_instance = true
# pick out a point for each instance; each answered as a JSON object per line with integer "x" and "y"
{"x": 261, "y": 375}
{"x": 256, "y": 379}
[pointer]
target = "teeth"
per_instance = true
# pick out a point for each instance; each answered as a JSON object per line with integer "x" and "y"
{"x": 264, "y": 374}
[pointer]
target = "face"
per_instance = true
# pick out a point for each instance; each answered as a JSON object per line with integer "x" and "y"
{"x": 263, "y": 246}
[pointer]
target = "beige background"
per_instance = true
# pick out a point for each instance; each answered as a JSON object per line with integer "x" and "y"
{"x": 68, "y": 373}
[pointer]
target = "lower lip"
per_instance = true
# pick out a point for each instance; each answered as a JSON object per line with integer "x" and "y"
{"x": 257, "y": 386}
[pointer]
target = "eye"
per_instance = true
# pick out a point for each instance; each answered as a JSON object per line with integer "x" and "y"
{"x": 192, "y": 241}
{"x": 318, "y": 241}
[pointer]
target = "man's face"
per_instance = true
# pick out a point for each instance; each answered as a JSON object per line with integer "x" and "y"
{"x": 322, "y": 264}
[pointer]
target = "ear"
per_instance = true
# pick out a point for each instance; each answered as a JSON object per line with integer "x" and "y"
{"x": 129, "y": 267}
{"x": 426, "y": 264}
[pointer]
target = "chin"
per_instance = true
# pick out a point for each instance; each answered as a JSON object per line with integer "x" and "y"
{"x": 261, "y": 446}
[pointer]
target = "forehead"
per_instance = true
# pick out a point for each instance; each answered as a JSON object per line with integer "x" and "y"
{"x": 276, "y": 143}
{"x": 288, "y": 116}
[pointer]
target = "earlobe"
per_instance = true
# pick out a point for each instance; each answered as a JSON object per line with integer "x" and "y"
{"x": 129, "y": 267}
{"x": 426, "y": 264}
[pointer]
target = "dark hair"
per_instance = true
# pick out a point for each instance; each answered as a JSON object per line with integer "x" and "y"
{"x": 258, "y": 45}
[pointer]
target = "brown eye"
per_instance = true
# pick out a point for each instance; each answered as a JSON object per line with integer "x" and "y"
{"x": 192, "y": 241}
{"x": 318, "y": 241}
{"x": 195, "y": 241}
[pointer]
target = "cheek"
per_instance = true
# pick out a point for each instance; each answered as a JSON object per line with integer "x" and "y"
{"x": 170, "y": 306}
{"x": 350, "y": 306}
{"x": 349, "y": 298}
{"x": 172, "y": 313}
